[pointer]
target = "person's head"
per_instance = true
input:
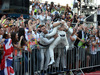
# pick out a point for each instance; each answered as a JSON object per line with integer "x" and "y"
{"x": 39, "y": 11}
{"x": 21, "y": 32}
{"x": 52, "y": 3}
{"x": 68, "y": 15}
{"x": 33, "y": 7}
{"x": 13, "y": 27}
{"x": 1, "y": 30}
{"x": 76, "y": 14}
{"x": 86, "y": 29}
{"x": 26, "y": 23}
{"x": 39, "y": 28}
{"x": 80, "y": 16}
{"x": 99, "y": 7}
{"x": 68, "y": 23}
{"x": 63, "y": 16}
{"x": 67, "y": 5}
{"x": 5, "y": 35}
{"x": 80, "y": 27}
{"x": 43, "y": 29}
{"x": 93, "y": 32}
{"x": 4, "y": 16}
{"x": 49, "y": 13}
{"x": 14, "y": 37}
{"x": 92, "y": 37}
{"x": 42, "y": 13}
{"x": 58, "y": 4}
{"x": 99, "y": 34}
{"x": 74, "y": 30}
{"x": 46, "y": 12}
{"x": 46, "y": 2}
{"x": 69, "y": 8}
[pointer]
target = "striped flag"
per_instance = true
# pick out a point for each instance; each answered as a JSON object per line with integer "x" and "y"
{"x": 6, "y": 62}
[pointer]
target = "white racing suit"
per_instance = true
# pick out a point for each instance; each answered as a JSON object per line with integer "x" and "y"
{"x": 60, "y": 56}
{"x": 62, "y": 38}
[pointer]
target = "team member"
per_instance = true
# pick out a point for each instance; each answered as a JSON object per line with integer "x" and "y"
{"x": 44, "y": 43}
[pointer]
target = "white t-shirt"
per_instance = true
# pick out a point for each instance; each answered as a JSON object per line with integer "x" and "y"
{"x": 26, "y": 34}
{"x": 42, "y": 19}
{"x": 49, "y": 18}
{"x": 92, "y": 50}
{"x": 38, "y": 16}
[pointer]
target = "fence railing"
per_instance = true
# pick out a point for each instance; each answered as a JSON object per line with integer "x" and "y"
{"x": 36, "y": 62}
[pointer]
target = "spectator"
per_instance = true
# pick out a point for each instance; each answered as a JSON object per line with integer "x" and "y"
{"x": 1, "y": 44}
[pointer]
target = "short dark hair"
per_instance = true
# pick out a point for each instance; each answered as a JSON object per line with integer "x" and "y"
{"x": 26, "y": 22}
{"x": 42, "y": 26}
{"x": 5, "y": 35}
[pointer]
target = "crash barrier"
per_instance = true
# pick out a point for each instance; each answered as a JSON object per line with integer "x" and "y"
{"x": 29, "y": 63}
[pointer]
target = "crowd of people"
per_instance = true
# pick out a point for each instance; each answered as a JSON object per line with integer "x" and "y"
{"x": 30, "y": 35}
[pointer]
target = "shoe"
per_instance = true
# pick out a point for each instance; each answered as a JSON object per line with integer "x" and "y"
{"x": 67, "y": 47}
{"x": 51, "y": 62}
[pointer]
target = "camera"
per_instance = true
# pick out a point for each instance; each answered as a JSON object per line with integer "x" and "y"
{"x": 75, "y": 16}
{"x": 81, "y": 22}
{"x": 86, "y": 44}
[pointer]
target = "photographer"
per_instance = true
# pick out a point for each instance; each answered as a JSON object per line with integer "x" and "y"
{"x": 79, "y": 44}
{"x": 93, "y": 50}
{"x": 45, "y": 6}
{"x": 58, "y": 8}
{"x": 81, "y": 18}
{"x": 52, "y": 7}
{"x": 98, "y": 46}
{"x": 75, "y": 18}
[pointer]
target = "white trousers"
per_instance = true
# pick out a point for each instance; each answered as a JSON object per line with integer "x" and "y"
{"x": 45, "y": 58}
{"x": 60, "y": 39}
{"x": 62, "y": 57}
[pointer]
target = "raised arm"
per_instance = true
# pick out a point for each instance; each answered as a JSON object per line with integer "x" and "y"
{"x": 47, "y": 41}
{"x": 55, "y": 28}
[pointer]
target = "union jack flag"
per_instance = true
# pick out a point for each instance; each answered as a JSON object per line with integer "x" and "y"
{"x": 6, "y": 62}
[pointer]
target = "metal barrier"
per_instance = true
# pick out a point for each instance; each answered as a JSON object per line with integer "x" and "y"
{"x": 65, "y": 61}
